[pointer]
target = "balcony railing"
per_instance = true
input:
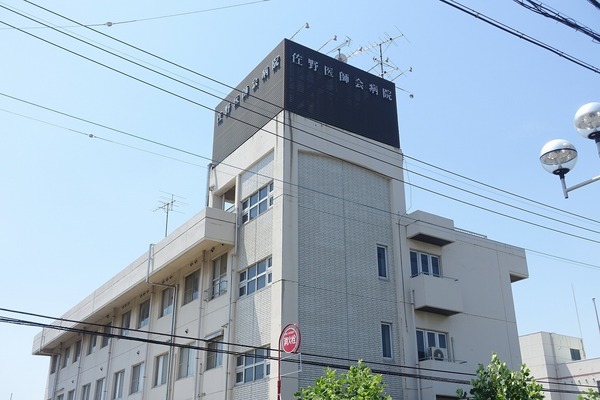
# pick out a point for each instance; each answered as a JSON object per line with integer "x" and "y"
{"x": 216, "y": 290}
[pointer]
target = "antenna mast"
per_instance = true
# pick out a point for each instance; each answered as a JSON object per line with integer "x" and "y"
{"x": 167, "y": 205}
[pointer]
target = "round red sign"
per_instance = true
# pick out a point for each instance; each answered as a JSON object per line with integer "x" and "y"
{"x": 290, "y": 339}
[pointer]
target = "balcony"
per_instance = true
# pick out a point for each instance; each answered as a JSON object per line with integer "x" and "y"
{"x": 439, "y": 295}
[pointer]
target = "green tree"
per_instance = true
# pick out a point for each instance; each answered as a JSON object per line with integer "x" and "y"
{"x": 359, "y": 383}
{"x": 497, "y": 381}
{"x": 589, "y": 395}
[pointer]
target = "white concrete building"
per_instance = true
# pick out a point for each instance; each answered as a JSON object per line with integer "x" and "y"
{"x": 305, "y": 223}
{"x": 558, "y": 362}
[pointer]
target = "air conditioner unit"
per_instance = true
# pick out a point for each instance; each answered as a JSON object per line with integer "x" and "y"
{"x": 438, "y": 353}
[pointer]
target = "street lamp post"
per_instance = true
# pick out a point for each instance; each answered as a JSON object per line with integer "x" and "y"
{"x": 559, "y": 156}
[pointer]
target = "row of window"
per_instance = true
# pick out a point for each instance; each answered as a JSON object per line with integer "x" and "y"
{"x": 257, "y": 203}
{"x": 420, "y": 263}
{"x": 185, "y": 368}
{"x": 427, "y": 343}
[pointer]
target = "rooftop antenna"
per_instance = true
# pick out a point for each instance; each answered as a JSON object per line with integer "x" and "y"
{"x": 387, "y": 68}
{"x": 167, "y": 204}
{"x": 341, "y": 56}
{"x": 334, "y": 38}
{"x": 305, "y": 26}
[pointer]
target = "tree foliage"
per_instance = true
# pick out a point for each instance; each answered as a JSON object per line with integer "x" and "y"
{"x": 359, "y": 383}
{"x": 591, "y": 394}
{"x": 497, "y": 381}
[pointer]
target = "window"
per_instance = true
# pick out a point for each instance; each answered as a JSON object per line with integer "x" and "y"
{"x": 422, "y": 263}
{"x": 92, "y": 344}
{"x": 106, "y": 338}
{"x": 166, "y": 301}
{"x": 77, "y": 352}
{"x": 386, "y": 340}
{"x": 144, "y": 317}
{"x": 252, "y": 366}
{"x": 214, "y": 353}
{"x": 427, "y": 340}
{"x": 137, "y": 378}
{"x": 382, "y": 269}
{"x": 191, "y": 289}
{"x": 71, "y": 395}
{"x": 85, "y": 391}
{"x": 219, "y": 276}
{"x": 54, "y": 363}
{"x": 160, "y": 370}
{"x": 118, "y": 385}
{"x": 257, "y": 203}
{"x": 125, "y": 323}
{"x": 187, "y": 358}
{"x": 256, "y": 277}
{"x": 575, "y": 354}
{"x": 66, "y": 355}
{"x": 60, "y": 397}
{"x": 99, "y": 391}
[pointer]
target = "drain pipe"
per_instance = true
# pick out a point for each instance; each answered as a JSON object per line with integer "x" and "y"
{"x": 231, "y": 280}
{"x": 412, "y": 304}
{"x": 210, "y": 167}
{"x": 173, "y": 319}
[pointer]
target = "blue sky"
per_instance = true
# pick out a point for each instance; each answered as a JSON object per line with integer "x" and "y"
{"x": 75, "y": 210}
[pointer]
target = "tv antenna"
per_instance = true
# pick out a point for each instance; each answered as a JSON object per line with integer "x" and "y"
{"x": 387, "y": 68}
{"x": 168, "y": 205}
{"x": 339, "y": 56}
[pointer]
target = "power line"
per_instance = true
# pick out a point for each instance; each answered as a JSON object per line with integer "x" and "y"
{"x": 109, "y": 23}
{"x": 221, "y": 83}
{"x": 548, "y": 12}
{"x": 312, "y": 148}
{"x": 520, "y": 35}
{"x": 170, "y": 341}
{"x": 269, "y": 177}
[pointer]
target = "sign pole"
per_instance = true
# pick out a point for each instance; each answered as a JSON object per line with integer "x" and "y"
{"x": 289, "y": 340}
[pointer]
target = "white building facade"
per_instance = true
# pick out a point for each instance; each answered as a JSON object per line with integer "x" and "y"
{"x": 305, "y": 223}
{"x": 559, "y": 364}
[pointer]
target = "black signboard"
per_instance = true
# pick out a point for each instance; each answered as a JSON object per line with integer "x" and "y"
{"x": 310, "y": 84}
{"x": 328, "y": 90}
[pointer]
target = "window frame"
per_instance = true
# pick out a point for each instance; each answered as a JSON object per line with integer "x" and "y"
{"x": 214, "y": 353}
{"x": 186, "y": 362}
{"x": 387, "y": 349}
{"x": 105, "y": 340}
{"x": 77, "y": 351}
{"x": 54, "y": 363}
{"x": 144, "y": 314}
{"x": 71, "y": 394}
{"x": 426, "y": 337}
{"x": 257, "y": 203}
{"x": 92, "y": 344}
{"x": 66, "y": 356}
{"x": 246, "y": 363}
{"x": 245, "y": 282}
{"x": 219, "y": 283}
{"x": 191, "y": 287}
{"x": 99, "y": 389}
{"x": 167, "y": 301}
{"x": 159, "y": 377}
{"x": 126, "y": 323}
{"x": 417, "y": 269}
{"x": 382, "y": 262}
{"x": 86, "y": 391}
{"x": 137, "y": 378}
{"x": 118, "y": 383}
